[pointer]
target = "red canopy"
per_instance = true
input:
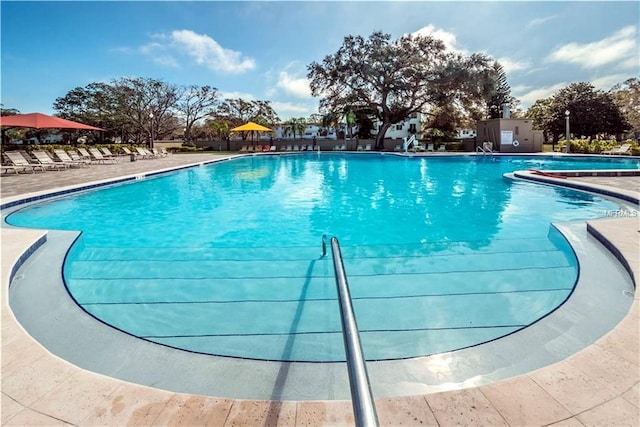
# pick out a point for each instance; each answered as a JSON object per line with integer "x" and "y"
{"x": 41, "y": 121}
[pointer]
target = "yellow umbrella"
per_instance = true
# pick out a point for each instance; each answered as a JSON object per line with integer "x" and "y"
{"x": 250, "y": 127}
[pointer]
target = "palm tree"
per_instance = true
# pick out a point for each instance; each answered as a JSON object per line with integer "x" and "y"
{"x": 220, "y": 128}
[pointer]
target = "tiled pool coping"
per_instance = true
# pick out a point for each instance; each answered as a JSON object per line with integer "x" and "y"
{"x": 613, "y": 393}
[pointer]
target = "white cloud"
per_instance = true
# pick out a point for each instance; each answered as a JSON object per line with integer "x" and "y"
{"x": 201, "y": 48}
{"x": 539, "y": 21}
{"x": 297, "y": 86}
{"x": 528, "y": 95}
{"x": 236, "y": 95}
{"x": 510, "y": 66}
{"x": 288, "y": 110}
{"x": 208, "y": 52}
{"x": 449, "y": 39}
{"x": 167, "y": 61}
{"x": 621, "y": 47}
{"x": 605, "y": 83}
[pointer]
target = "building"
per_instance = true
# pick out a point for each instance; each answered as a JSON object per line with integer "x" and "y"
{"x": 509, "y": 135}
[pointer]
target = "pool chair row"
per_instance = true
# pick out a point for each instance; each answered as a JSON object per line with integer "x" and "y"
{"x": 257, "y": 148}
{"x": 417, "y": 148}
{"x": 297, "y": 147}
{"x": 42, "y": 160}
{"x": 143, "y": 153}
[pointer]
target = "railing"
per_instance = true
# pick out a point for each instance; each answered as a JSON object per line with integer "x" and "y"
{"x": 364, "y": 410}
{"x": 485, "y": 149}
{"x": 408, "y": 141}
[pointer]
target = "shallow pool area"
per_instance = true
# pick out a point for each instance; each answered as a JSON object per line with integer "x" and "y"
{"x": 441, "y": 254}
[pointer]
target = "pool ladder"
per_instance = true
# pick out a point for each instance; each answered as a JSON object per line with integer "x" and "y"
{"x": 364, "y": 410}
{"x": 485, "y": 149}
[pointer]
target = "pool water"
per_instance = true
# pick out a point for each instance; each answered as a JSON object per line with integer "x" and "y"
{"x": 441, "y": 253}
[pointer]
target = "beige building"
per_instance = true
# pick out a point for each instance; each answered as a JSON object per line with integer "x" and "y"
{"x": 509, "y": 135}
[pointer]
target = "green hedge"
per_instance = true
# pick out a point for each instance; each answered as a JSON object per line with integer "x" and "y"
{"x": 597, "y": 146}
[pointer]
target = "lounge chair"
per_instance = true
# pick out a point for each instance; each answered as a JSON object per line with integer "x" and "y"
{"x": 98, "y": 157}
{"x": 296, "y": 148}
{"x": 63, "y": 156}
{"x": 289, "y": 148}
{"x": 367, "y": 147}
{"x": 149, "y": 154}
{"x": 143, "y": 153}
{"x": 44, "y": 159}
{"x": 157, "y": 153}
{"x": 19, "y": 161}
{"x": 430, "y": 147}
{"x": 6, "y": 168}
{"x": 273, "y": 148}
{"x": 397, "y": 148}
{"x": 442, "y": 148}
{"x": 359, "y": 148}
{"x": 108, "y": 154}
{"x": 85, "y": 154}
{"x": 93, "y": 155}
{"x": 243, "y": 149}
{"x": 622, "y": 150}
{"x": 76, "y": 157}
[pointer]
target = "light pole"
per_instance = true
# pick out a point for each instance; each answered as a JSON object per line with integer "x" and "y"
{"x": 567, "y": 131}
{"x": 151, "y": 140}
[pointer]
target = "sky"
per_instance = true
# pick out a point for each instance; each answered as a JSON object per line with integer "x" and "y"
{"x": 261, "y": 50}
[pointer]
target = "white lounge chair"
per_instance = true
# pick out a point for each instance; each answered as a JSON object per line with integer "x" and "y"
{"x": 99, "y": 157}
{"x": 44, "y": 159}
{"x": 19, "y": 161}
{"x": 623, "y": 149}
{"x": 108, "y": 154}
{"x": 64, "y": 158}
{"x": 144, "y": 153}
{"x": 442, "y": 148}
{"x": 430, "y": 147}
{"x": 367, "y": 147}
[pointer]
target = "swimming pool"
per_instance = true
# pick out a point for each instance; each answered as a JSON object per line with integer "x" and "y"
{"x": 238, "y": 272}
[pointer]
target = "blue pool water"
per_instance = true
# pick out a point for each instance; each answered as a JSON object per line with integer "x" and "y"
{"x": 441, "y": 253}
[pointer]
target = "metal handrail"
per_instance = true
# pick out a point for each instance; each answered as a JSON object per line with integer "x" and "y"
{"x": 364, "y": 410}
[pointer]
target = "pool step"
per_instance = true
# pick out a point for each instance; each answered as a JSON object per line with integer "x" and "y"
{"x": 283, "y": 300}
{"x": 175, "y": 266}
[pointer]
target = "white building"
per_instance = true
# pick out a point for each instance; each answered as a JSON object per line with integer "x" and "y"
{"x": 406, "y": 128}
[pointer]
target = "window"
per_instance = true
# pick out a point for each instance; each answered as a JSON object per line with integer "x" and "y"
{"x": 399, "y": 127}
{"x": 414, "y": 115}
{"x": 412, "y": 128}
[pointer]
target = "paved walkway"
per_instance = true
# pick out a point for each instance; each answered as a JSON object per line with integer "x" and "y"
{"x": 599, "y": 386}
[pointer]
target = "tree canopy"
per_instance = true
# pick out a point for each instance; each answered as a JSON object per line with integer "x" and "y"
{"x": 591, "y": 112}
{"x": 626, "y": 96}
{"x": 395, "y": 79}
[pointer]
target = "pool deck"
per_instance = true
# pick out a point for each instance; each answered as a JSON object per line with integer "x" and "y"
{"x": 597, "y": 386}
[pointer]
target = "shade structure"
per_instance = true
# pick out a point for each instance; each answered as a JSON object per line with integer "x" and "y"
{"x": 42, "y": 121}
{"x": 251, "y": 126}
